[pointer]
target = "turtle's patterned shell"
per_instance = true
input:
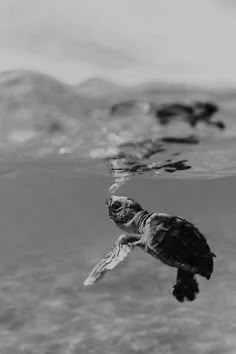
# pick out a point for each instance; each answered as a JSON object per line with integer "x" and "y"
{"x": 178, "y": 239}
{"x": 166, "y": 227}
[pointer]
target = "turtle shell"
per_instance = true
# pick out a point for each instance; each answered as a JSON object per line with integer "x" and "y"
{"x": 176, "y": 238}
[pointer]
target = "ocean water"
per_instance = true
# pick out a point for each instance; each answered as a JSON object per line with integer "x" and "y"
{"x": 55, "y": 227}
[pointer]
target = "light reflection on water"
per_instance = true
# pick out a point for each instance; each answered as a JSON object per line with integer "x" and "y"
{"x": 55, "y": 227}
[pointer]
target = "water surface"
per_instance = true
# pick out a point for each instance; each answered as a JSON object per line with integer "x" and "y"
{"x": 61, "y": 151}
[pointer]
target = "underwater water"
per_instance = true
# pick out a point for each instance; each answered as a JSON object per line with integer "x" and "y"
{"x": 55, "y": 228}
{"x": 55, "y": 174}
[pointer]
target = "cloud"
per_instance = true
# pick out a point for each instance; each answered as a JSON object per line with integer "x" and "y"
{"x": 120, "y": 38}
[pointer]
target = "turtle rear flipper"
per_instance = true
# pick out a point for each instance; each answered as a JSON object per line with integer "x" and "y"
{"x": 186, "y": 286}
{"x": 205, "y": 265}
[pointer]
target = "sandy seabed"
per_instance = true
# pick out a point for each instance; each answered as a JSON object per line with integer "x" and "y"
{"x": 54, "y": 228}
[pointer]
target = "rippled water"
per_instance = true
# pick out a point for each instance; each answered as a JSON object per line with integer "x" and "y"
{"x": 54, "y": 179}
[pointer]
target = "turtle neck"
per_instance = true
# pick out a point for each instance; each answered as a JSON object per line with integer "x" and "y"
{"x": 140, "y": 220}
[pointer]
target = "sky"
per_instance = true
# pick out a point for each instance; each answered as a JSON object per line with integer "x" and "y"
{"x": 128, "y": 41}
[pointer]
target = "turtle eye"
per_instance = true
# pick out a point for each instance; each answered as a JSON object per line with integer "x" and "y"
{"x": 116, "y": 205}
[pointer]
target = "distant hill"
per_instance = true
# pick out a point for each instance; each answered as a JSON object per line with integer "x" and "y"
{"x": 97, "y": 87}
{"x": 34, "y": 101}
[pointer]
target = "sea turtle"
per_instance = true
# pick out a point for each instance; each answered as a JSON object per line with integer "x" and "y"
{"x": 171, "y": 239}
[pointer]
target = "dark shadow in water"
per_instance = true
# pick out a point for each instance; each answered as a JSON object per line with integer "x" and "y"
{"x": 132, "y": 167}
{"x": 132, "y": 157}
{"x": 191, "y": 139}
{"x": 192, "y": 114}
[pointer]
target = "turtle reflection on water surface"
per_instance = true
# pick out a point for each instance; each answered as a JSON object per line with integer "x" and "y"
{"x": 171, "y": 239}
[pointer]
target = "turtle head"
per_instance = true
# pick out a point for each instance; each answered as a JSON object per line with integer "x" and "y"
{"x": 122, "y": 210}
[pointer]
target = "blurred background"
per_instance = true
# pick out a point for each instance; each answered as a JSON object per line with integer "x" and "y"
{"x": 127, "y": 41}
{"x": 134, "y": 97}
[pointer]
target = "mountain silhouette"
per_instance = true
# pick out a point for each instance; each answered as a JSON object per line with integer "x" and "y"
{"x": 32, "y": 101}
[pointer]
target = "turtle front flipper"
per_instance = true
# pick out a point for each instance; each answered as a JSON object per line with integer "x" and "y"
{"x": 122, "y": 247}
{"x": 186, "y": 286}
